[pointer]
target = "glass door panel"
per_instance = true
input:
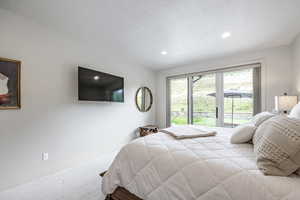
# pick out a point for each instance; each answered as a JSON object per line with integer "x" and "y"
{"x": 204, "y": 100}
{"x": 238, "y": 97}
{"x": 178, "y": 101}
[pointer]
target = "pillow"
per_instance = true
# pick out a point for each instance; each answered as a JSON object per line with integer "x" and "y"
{"x": 242, "y": 134}
{"x": 261, "y": 117}
{"x": 295, "y": 112}
{"x": 277, "y": 146}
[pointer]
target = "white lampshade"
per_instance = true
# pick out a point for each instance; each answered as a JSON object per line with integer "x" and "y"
{"x": 285, "y": 103}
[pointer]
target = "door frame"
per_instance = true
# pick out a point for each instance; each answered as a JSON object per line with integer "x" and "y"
{"x": 219, "y": 90}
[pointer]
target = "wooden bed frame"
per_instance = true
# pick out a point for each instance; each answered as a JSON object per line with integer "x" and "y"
{"x": 120, "y": 193}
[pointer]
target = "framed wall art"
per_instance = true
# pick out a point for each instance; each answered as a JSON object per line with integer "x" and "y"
{"x": 10, "y": 85}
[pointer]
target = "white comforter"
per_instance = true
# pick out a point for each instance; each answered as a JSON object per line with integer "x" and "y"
{"x": 158, "y": 167}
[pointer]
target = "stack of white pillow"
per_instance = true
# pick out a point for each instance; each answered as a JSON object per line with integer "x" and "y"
{"x": 276, "y": 140}
{"x": 244, "y": 133}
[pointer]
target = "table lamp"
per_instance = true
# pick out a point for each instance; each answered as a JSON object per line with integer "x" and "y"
{"x": 285, "y": 103}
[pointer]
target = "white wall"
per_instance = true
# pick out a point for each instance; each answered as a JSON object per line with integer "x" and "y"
{"x": 51, "y": 119}
{"x": 276, "y": 75}
{"x": 296, "y": 65}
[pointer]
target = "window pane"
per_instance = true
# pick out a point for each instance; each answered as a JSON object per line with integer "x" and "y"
{"x": 238, "y": 97}
{"x": 204, "y": 100}
{"x": 179, "y": 101}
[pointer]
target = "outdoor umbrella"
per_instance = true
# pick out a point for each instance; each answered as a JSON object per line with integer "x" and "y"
{"x": 233, "y": 94}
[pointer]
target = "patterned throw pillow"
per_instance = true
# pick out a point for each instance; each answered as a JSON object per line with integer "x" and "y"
{"x": 277, "y": 146}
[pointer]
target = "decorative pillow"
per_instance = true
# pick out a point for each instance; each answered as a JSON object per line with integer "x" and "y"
{"x": 295, "y": 112}
{"x": 261, "y": 117}
{"x": 277, "y": 146}
{"x": 242, "y": 134}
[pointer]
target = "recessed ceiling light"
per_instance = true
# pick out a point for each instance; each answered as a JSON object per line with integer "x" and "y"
{"x": 96, "y": 77}
{"x": 163, "y": 53}
{"x": 226, "y": 35}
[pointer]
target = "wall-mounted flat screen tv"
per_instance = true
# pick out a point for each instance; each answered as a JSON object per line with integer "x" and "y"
{"x": 98, "y": 86}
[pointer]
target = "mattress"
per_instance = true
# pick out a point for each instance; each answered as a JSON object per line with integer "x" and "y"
{"x": 158, "y": 167}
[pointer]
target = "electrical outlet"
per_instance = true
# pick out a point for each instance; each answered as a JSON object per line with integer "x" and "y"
{"x": 45, "y": 156}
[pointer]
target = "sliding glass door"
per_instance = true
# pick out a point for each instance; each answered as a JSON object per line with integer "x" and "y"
{"x": 220, "y": 98}
{"x": 204, "y": 101}
{"x": 238, "y": 97}
{"x": 178, "y": 92}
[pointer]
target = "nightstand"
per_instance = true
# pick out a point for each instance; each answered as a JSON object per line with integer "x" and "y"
{"x": 147, "y": 130}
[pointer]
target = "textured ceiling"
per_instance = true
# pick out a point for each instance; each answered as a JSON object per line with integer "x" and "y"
{"x": 189, "y": 30}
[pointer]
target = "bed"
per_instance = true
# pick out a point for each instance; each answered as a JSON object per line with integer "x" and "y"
{"x": 158, "y": 167}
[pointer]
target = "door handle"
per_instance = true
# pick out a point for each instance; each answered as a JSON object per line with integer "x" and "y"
{"x": 217, "y": 112}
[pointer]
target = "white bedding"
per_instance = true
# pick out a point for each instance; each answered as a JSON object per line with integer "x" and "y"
{"x": 158, "y": 167}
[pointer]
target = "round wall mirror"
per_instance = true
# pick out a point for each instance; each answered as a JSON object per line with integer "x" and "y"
{"x": 143, "y": 99}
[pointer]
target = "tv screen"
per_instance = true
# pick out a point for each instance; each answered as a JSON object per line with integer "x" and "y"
{"x": 99, "y": 86}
